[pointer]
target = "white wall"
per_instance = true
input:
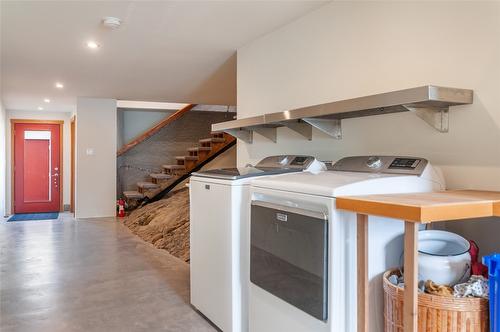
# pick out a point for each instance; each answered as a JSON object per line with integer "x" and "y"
{"x": 95, "y": 194}
{"x": 351, "y": 49}
{"x": 66, "y": 162}
{"x": 132, "y": 123}
{"x": 3, "y": 157}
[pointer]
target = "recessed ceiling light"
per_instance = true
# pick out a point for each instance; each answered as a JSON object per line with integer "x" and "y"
{"x": 40, "y": 108}
{"x": 92, "y": 45}
{"x": 47, "y": 100}
{"x": 111, "y": 22}
{"x": 59, "y": 85}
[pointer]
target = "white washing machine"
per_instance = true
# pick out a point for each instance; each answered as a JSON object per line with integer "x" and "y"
{"x": 303, "y": 250}
{"x": 219, "y": 201}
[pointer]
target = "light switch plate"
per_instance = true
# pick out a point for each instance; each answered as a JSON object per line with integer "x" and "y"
{"x": 90, "y": 151}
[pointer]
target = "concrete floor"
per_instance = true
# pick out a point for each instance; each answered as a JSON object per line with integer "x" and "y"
{"x": 90, "y": 275}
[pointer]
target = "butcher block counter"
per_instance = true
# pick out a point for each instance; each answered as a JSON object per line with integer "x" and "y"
{"x": 414, "y": 209}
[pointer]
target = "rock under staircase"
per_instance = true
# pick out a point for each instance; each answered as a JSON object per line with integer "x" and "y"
{"x": 206, "y": 148}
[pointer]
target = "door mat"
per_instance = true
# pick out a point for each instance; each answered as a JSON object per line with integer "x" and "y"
{"x": 34, "y": 216}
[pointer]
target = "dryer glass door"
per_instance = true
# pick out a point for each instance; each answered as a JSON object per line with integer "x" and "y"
{"x": 289, "y": 255}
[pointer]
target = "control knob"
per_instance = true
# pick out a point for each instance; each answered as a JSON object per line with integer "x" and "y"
{"x": 374, "y": 162}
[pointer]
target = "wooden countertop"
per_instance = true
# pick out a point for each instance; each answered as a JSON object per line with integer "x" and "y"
{"x": 413, "y": 209}
{"x": 426, "y": 207}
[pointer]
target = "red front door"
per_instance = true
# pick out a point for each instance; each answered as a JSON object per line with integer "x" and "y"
{"x": 36, "y": 167}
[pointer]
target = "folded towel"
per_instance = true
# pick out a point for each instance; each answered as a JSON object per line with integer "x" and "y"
{"x": 435, "y": 289}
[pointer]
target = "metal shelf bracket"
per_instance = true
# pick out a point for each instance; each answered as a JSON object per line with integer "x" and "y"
{"x": 330, "y": 127}
{"x": 437, "y": 117}
{"x": 269, "y": 133}
{"x": 303, "y": 128}
{"x": 242, "y": 134}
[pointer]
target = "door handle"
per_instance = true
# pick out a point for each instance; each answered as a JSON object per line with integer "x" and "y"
{"x": 55, "y": 176}
{"x": 282, "y": 208}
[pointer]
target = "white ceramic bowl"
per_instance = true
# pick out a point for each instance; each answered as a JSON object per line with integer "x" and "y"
{"x": 443, "y": 257}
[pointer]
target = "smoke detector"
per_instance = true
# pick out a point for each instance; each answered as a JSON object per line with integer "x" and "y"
{"x": 111, "y": 22}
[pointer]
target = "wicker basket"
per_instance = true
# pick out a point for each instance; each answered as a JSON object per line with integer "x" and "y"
{"x": 435, "y": 313}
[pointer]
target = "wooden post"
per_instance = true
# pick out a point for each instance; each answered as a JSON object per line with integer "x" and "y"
{"x": 362, "y": 280}
{"x": 410, "y": 305}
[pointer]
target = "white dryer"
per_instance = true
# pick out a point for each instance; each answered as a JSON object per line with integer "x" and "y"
{"x": 219, "y": 227}
{"x": 303, "y": 250}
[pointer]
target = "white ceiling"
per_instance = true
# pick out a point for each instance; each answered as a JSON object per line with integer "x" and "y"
{"x": 177, "y": 51}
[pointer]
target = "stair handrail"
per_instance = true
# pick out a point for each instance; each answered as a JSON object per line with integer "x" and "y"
{"x": 153, "y": 130}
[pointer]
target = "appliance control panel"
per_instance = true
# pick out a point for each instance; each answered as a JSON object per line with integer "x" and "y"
{"x": 381, "y": 164}
{"x": 404, "y": 163}
{"x": 286, "y": 161}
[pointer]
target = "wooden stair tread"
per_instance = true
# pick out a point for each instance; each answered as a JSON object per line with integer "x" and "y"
{"x": 212, "y": 140}
{"x": 200, "y": 148}
{"x": 133, "y": 194}
{"x": 174, "y": 166}
{"x": 160, "y": 176}
{"x": 187, "y": 158}
{"x": 147, "y": 185}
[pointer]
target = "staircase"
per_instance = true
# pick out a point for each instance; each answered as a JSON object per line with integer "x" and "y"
{"x": 196, "y": 157}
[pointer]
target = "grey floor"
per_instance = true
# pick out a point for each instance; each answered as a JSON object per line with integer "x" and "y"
{"x": 91, "y": 275}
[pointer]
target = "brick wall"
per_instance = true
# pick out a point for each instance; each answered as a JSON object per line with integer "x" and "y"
{"x": 162, "y": 148}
